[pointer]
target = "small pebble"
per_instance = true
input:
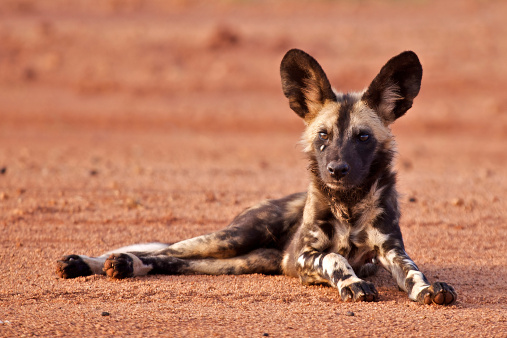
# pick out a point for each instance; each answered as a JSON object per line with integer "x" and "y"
{"x": 349, "y": 313}
{"x": 94, "y": 172}
{"x": 132, "y": 203}
{"x": 105, "y": 313}
{"x": 412, "y": 199}
{"x": 210, "y": 197}
{"x": 458, "y": 202}
{"x": 407, "y": 165}
{"x": 265, "y": 334}
{"x": 3, "y": 170}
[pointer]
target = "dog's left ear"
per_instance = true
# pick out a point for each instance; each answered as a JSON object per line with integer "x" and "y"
{"x": 393, "y": 90}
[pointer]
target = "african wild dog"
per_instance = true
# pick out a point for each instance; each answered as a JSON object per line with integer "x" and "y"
{"x": 341, "y": 229}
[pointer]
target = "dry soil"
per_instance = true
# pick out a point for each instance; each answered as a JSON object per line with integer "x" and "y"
{"x": 136, "y": 121}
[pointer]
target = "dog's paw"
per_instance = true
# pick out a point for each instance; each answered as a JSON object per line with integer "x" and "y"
{"x": 359, "y": 291}
{"x": 119, "y": 266}
{"x": 72, "y": 266}
{"x": 438, "y": 293}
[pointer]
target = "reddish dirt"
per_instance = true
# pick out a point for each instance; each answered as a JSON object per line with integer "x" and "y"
{"x": 136, "y": 121}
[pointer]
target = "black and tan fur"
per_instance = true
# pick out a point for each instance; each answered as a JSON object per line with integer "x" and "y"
{"x": 337, "y": 232}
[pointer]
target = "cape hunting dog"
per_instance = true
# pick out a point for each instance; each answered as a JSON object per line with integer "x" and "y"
{"x": 337, "y": 232}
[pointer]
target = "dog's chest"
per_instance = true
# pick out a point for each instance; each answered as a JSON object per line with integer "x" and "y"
{"x": 358, "y": 244}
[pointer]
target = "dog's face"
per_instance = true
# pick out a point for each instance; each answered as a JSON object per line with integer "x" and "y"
{"x": 347, "y": 135}
{"x": 344, "y": 140}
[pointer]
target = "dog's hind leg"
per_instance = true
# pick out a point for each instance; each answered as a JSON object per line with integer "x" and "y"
{"x": 245, "y": 246}
{"x": 247, "y": 232}
{"x": 237, "y": 239}
{"x": 71, "y": 266}
{"x": 122, "y": 265}
{"x": 226, "y": 243}
{"x": 263, "y": 225}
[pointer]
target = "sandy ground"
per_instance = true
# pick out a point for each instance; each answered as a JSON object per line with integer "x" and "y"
{"x": 136, "y": 121}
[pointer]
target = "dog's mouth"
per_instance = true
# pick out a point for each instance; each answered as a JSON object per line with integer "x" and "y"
{"x": 338, "y": 184}
{"x": 335, "y": 186}
{"x": 348, "y": 182}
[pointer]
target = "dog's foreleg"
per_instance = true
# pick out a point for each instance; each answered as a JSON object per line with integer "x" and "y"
{"x": 413, "y": 281}
{"x": 315, "y": 266}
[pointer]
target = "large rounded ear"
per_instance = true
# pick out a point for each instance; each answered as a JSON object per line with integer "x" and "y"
{"x": 305, "y": 84}
{"x": 393, "y": 90}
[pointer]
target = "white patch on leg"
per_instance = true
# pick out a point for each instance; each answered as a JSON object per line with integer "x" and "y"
{"x": 399, "y": 274}
{"x": 419, "y": 285}
{"x": 140, "y": 269}
{"x": 316, "y": 261}
{"x": 301, "y": 260}
{"x": 143, "y": 247}
{"x": 333, "y": 262}
{"x": 96, "y": 264}
{"x": 395, "y": 269}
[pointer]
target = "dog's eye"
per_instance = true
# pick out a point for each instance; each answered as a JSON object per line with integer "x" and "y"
{"x": 323, "y": 135}
{"x": 363, "y": 137}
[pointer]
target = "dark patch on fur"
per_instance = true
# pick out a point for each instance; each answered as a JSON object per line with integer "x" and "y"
{"x": 72, "y": 266}
{"x": 165, "y": 265}
{"x": 327, "y": 229}
{"x": 119, "y": 266}
{"x": 347, "y": 104}
{"x": 409, "y": 284}
{"x": 344, "y": 277}
{"x": 367, "y": 270}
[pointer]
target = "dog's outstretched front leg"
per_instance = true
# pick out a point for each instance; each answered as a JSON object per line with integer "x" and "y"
{"x": 315, "y": 266}
{"x": 413, "y": 281}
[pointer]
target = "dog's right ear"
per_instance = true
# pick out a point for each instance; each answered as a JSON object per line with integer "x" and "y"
{"x": 305, "y": 84}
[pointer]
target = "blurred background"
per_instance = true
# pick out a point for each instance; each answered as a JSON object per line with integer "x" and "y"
{"x": 131, "y": 101}
{"x": 213, "y": 65}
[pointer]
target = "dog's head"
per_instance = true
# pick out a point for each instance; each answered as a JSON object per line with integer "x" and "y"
{"x": 347, "y": 135}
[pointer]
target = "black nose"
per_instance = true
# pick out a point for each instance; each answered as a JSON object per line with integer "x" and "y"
{"x": 338, "y": 169}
